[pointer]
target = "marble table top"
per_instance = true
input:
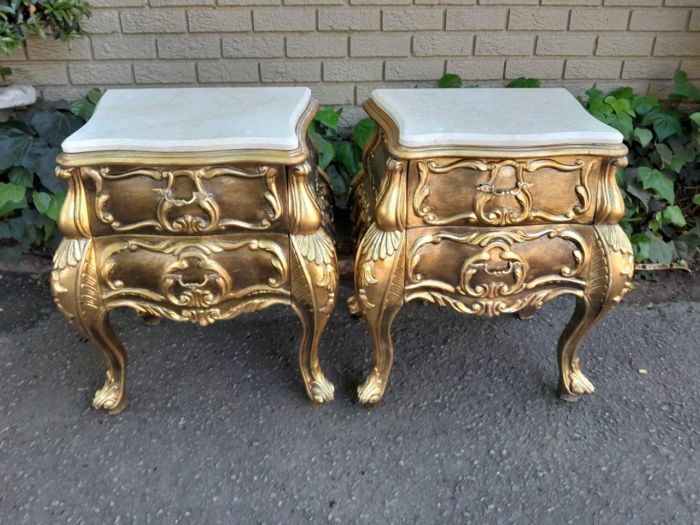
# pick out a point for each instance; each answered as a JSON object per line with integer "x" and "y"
{"x": 193, "y": 119}
{"x": 491, "y": 117}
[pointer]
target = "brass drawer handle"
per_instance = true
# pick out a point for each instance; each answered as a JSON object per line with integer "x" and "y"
{"x": 487, "y": 187}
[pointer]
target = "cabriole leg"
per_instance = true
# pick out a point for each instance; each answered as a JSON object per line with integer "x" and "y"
{"x": 77, "y": 295}
{"x": 314, "y": 284}
{"x": 379, "y": 280}
{"x": 572, "y": 382}
{"x": 609, "y": 279}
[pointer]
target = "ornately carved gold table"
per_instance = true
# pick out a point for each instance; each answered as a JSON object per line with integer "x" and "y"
{"x": 194, "y": 205}
{"x": 489, "y": 201}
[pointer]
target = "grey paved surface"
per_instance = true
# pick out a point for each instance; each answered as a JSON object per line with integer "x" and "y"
{"x": 218, "y": 429}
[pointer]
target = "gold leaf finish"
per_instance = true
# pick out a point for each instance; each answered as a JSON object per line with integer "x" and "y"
{"x": 195, "y": 238}
{"x": 194, "y": 212}
{"x": 486, "y": 232}
{"x": 505, "y": 196}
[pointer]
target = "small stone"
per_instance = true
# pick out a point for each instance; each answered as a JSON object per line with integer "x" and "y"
{"x": 17, "y": 95}
{"x": 643, "y": 371}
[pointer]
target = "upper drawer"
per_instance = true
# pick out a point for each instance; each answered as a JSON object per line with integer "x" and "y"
{"x": 188, "y": 201}
{"x": 463, "y": 191}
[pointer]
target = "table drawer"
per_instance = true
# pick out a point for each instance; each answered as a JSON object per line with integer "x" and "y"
{"x": 462, "y": 191}
{"x": 190, "y": 201}
{"x": 199, "y": 279}
{"x": 489, "y": 271}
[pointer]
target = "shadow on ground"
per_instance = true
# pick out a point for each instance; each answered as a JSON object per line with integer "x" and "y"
{"x": 218, "y": 429}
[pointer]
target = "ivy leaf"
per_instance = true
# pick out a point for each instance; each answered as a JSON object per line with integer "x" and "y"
{"x": 620, "y": 177}
{"x": 12, "y": 197}
{"x": 41, "y": 159}
{"x": 677, "y": 163}
{"x": 623, "y": 92}
{"x": 687, "y": 243}
{"x": 14, "y": 145}
{"x": 595, "y": 93}
{"x": 21, "y": 176}
{"x": 598, "y": 108}
{"x": 696, "y": 199}
{"x": 450, "y": 80}
{"x": 94, "y": 95}
{"x": 82, "y": 108}
{"x": 658, "y": 182}
{"x": 328, "y": 116}
{"x": 643, "y": 105}
{"x": 665, "y": 122}
{"x": 656, "y": 223}
{"x": 634, "y": 189}
{"x": 17, "y": 228}
{"x": 641, "y": 243}
{"x": 695, "y": 117}
{"x": 682, "y": 89}
{"x": 325, "y": 149}
{"x": 665, "y": 154}
{"x": 362, "y": 132}
{"x": 337, "y": 183}
{"x": 524, "y": 82}
{"x": 674, "y": 215}
{"x": 622, "y": 122}
{"x": 661, "y": 251}
{"x": 643, "y": 136}
{"x": 42, "y": 201}
{"x": 55, "y": 206}
{"x": 348, "y": 160}
{"x": 621, "y": 106}
{"x": 54, "y": 126}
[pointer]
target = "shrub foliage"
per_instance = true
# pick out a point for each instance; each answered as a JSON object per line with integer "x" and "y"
{"x": 30, "y": 194}
{"x": 661, "y": 186}
{"x": 20, "y": 19}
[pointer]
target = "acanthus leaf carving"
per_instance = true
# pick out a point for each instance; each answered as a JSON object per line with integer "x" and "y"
{"x": 318, "y": 249}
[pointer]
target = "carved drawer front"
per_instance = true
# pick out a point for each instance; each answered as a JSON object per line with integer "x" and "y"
{"x": 198, "y": 279}
{"x": 489, "y": 271}
{"x": 453, "y": 192}
{"x": 204, "y": 200}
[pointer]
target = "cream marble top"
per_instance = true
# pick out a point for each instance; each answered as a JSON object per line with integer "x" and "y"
{"x": 193, "y": 119}
{"x": 491, "y": 117}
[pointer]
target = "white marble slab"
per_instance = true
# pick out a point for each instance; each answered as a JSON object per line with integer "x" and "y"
{"x": 193, "y": 119}
{"x": 492, "y": 117}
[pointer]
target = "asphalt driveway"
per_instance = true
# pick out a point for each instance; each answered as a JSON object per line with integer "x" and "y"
{"x": 218, "y": 429}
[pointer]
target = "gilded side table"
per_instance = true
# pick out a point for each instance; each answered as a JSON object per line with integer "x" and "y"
{"x": 489, "y": 201}
{"x": 195, "y": 205}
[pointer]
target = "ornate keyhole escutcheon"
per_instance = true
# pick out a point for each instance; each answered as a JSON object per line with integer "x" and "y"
{"x": 199, "y": 198}
{"x": 503, "y": 272}
{"x": 505, "y": 183}
{"x": 196, "y": 281}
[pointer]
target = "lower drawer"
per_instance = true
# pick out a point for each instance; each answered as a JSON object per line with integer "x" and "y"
{"x": 199, "y": 279}
{"x": 489, "y": 271}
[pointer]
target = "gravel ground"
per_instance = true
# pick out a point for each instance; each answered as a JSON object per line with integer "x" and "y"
{"x": 218, "y": 429}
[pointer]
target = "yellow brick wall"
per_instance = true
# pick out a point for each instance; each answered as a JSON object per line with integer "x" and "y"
{"x": 343, "y": 49}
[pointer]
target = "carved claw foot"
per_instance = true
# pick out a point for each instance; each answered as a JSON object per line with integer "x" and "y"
{"x": 111, "y": 396}
{"x": 321, "y": 390}
{"x": 578, "y": 385}
{"x": 372, "y": 390}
